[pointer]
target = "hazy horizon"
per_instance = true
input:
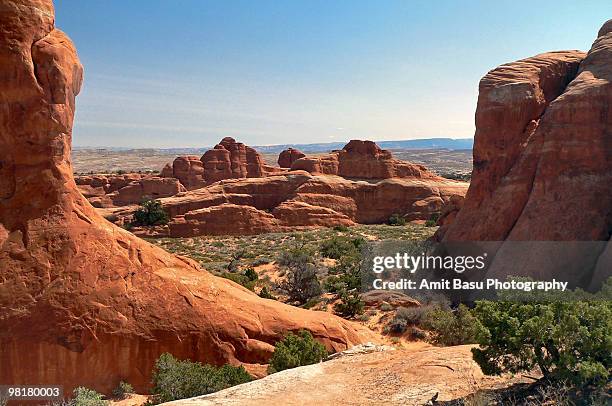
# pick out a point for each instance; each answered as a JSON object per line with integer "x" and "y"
{"x": 159, "y": 75}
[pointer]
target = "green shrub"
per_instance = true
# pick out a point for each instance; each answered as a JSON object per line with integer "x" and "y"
{"x": 396, "y": 220}
{"x": 301, "y": 283}
{"x": 266, "y": 294}
{"x": 251, "y": 274}
{"x": 339, "y": 246}
{"x": 350, "y": 304}
{"x": 342, "y": 229}
{"x": 150, "y": 213}
{"x": 294, "y": 255}
{"x": 452, "y": 327}
{"x": 296, "y": 350}
{"x": 567, "y": 340}
{"x": 88, "y": 397}
{"x": 239, "y": 279}
{"x": 433, "y": 220}
{"x": 175, "y": 379}
{"x": 122, "y": 389}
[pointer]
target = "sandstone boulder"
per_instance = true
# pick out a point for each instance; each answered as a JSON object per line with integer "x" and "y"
{"x": 287, "y": 157}
{"x": 76, "y": 290}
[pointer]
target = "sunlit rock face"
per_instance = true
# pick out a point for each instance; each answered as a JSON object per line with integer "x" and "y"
{"x": 543, "y": 162}
{"x": 83, "y": 302}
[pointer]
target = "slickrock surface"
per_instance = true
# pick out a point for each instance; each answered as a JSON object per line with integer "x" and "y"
{"x": 287, "y": 157}
{"x": 402, "y": 377}
{"x": 298, "y": 200}
{"x": 543, "y": 163}
{"x": 361, "y": 160}
{"x": 83, "y": 302}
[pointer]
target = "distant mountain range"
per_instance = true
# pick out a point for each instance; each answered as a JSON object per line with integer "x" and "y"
{"x": 427, "y": 143}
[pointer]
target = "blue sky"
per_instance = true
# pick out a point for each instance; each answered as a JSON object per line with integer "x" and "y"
{"x": 188, "y": 73}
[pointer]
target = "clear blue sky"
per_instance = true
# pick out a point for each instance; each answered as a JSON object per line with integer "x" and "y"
{"x": 187, "y": 73}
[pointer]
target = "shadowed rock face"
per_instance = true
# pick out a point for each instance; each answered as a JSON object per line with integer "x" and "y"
{"x": 543, "y": 159}
{"x": 83, "y": 302}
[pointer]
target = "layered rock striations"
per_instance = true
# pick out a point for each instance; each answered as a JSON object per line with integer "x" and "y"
{"x": 76, "y": 290}
{"x": 361, "y": 160}
{"x": 543, "y": 164}
{"x": 233, "y": 160}
{"x": 105, "y": 191}
{"x": 227, "y": 160}
{"x": 300, "y": 200}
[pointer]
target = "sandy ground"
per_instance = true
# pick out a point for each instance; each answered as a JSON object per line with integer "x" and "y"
{"x": 410, "y": 376}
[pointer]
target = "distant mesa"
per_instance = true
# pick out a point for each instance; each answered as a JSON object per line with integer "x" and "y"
{"x": 287, "y": 157}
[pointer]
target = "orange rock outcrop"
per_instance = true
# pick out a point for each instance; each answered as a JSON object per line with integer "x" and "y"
{"x": 543, "y": 165}
{"x": 83, "y": 302}
{"x": 361, "y": 160}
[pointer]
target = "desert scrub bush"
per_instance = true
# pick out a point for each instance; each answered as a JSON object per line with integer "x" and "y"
{"x": 261, "y": 261}
{"x": 452, "y": 327}
{"x": 301, "y": 283}
{"x": 179, "y": 379}
{"x": 433, "y": 220}
{"x": 396, "y": 220}
{"x": 339, "y": 246}
{"x": 240, "y": 279}
{"x": 407, "y": 316}
{"x": 88, "y": 397}
{"x": 350, "y": 304}
{"x": 251, "y": 274}
{"x": 266, "y": 294}
{"x": 341, "y": 229}
{"x": 296, "y": 350}
{"x": 569, "y": 341}
{"x": 122, "y": 390}
{"x": 150, "y": 213}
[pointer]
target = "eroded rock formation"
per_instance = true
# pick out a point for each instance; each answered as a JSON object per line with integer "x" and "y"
{"x": 361, "y": 160}
{"x": 232, "y": 160}
{"x": 543, "y": 163}
{"x": 105, "y": 191}
{"x": 299, "y": 200}
{"x": 76, "y": 290}
{"x": 287, "y": 157}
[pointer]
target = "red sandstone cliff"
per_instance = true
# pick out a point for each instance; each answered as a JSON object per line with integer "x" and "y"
{"x": 543, "y": 164}
{"x": 83, "y": 302}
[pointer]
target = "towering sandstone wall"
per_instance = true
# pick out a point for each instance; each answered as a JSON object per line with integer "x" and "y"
{"x": 543, "y": 163}
{"x": 83, "y": 302}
